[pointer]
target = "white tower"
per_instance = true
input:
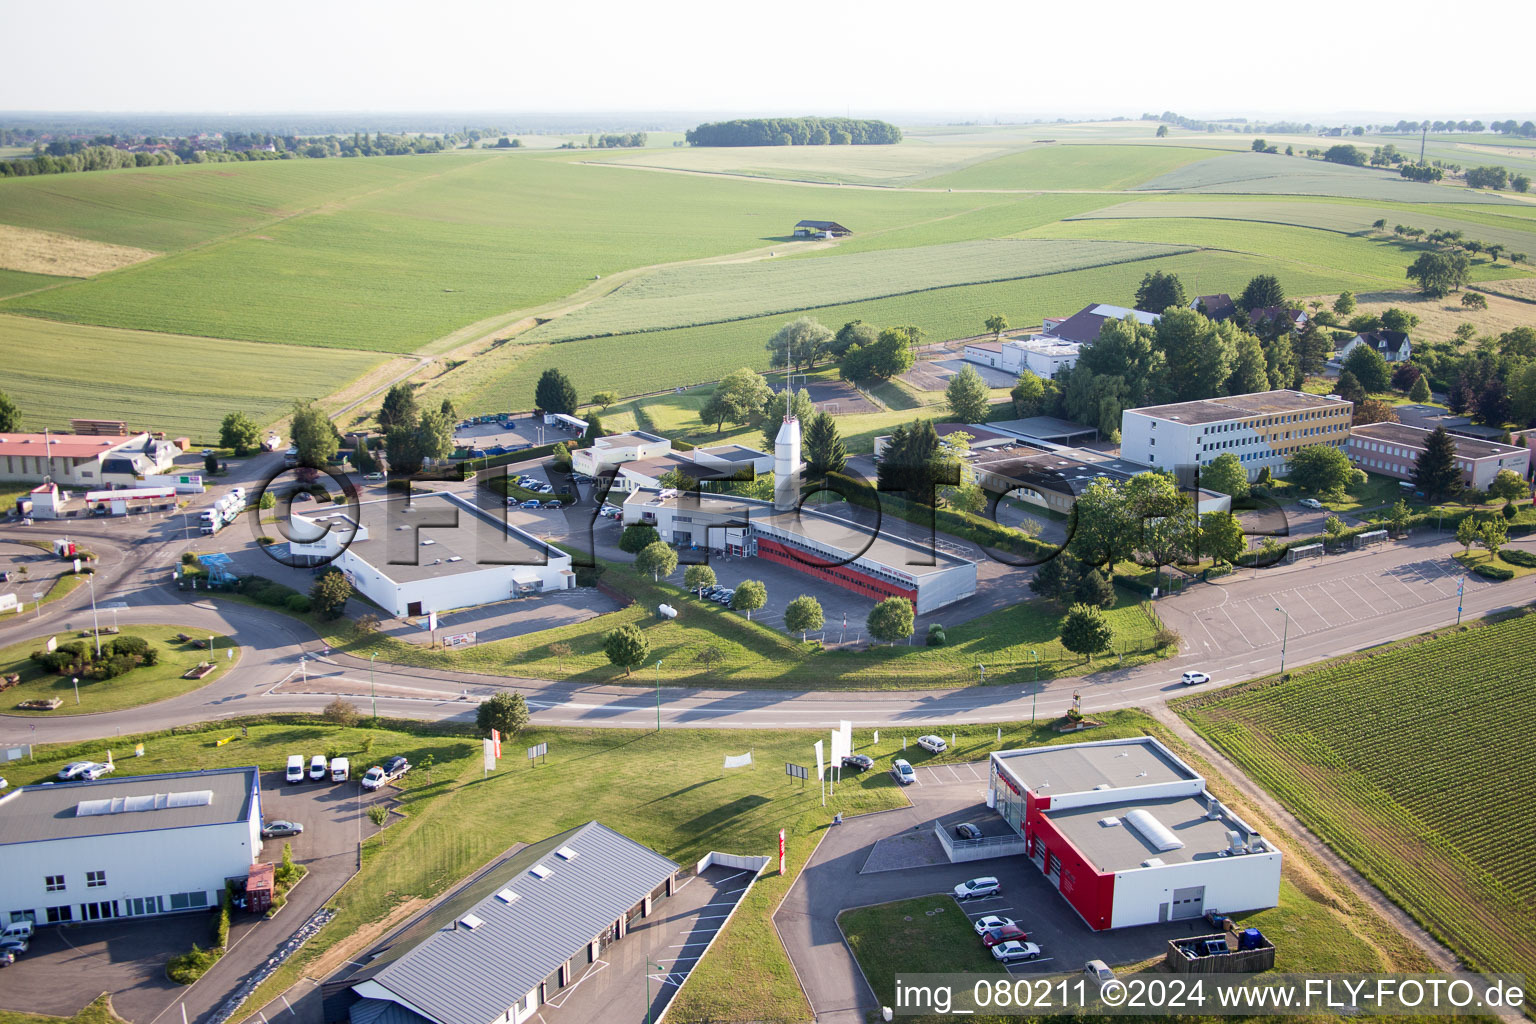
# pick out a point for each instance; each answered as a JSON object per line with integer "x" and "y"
{"x": 786, "y": 465}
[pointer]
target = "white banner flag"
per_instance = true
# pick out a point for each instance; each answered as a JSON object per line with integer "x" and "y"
{"x": 432, "y": 621}
{"x": 738, "y": 760}
{"x": 490, "y": 756}
{"x": 821, "y": 766}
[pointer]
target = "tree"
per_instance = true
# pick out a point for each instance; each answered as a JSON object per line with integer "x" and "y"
{"x": 626, "y": 647}
{"x": 1158, "y": 291}
{"x": 403, "y": 447}
{"x": 1508, "y": 486}
{"x": 554, "y": 393}
{"x": 1262, "y": 291}
{"x": 967, "y": 498}
{"x": 658, "y": 559}
{"x": 1058, "y": 578}
{"x": 996, "y": 324}
{"x": 675, "y": 479}
{"x": 1345, "y": 303}
{"x": 786, "y": 403}
{"x": 803, "y": 615}
{"x": 1369, "y": 368}
{"x": 1374, "y": 411}
{"x": 1440, "y": 273}
{"x": 1493, "y": 534}
{"x": 637, "y": 537}
{"x": 448, "y": 410}
{"x": 968, "y": 395}
{"x": 1520, "y": 183}
{"x": 915, "y": 463}
{"x": 709, "y": 656}
{"x": 1102, "y": 533}
{"x": 1313, "y": 348}
{"x": 1397, "y": 518}
{"x": 507, "y": 713}
{"x": 750, "y": 595}
{"x": 340, "y": 712}
{"x": 854, "y": 332}
{"x": 1199, "y": 353}
{"x": 823, "y": 445}
{"x": 1344, "y": 153}
{"x": 238, "y": 431}
{"x": 434, "y": 435}
{"x": 1320, "y": 468}
{"x": 1280, "y": 362}
{"x": 313, "y": 435}
{"x": 1333, "y": 526}
{"x": 1420, "y": 392}
{"x": 1519, "y": 343}
{"x": 1250, "y": 371}
{"x": 210, "y": 464}
{"x": 1226, "y": 475}
{"x": 1162, "y": 131}
{"x": 1466, "y": 532}
{"x": 1403, "y": 376}
{"x": 891, "y": 620}
{"x": 1395, "y": 319}
{"x": 399, "y": 408}
{"x": 738, "y": 398}
{"x": 890, "y": 355}
{"x": 1028, "y": 395}
{"x": 1493, "y": 406}
{"x": 1095, "y": 590}
{"x": 1084, "y": 631}
{"x": 697, "y": 577}
{"x": 798, "y": 343}
{"x": 603, "y": 399}
{"x": 1221, "y": 536}
{"x": 328, "y": 596}
{"x": 10, "y": 416}
{"x": 1435, "y": 472}
{"x": 1349, "y": 389}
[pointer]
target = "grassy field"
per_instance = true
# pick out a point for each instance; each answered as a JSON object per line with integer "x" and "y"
{"x": 1368, "y": 751}
{"x": 142, "y": 685}
{"x": 718, "y": 292}
{"x": 653, "y": 361}
{"x": 1273, "y": 174}
{"x": 14, "y": 282}
{"x": 1072, "y": 167}
{"x": 893, "y": 938}
{"x": 181, "y": 385}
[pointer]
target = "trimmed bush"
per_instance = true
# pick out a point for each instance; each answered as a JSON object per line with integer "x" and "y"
{"x": 936, "y": 637}
{"x": 1494, "y": 572}
{"x": 297, "y": 603}
{"x": 1517, "y": 556}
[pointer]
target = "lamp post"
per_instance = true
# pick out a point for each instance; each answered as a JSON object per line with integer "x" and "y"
{"x": 658, "y": 696}
{"x": 1459, "y": 585}
{"x": 648, "y": 966}
{"x": 210, "y": 646}
{"x": 1284, "y": 635}
{"x": 373, "y": 694}
{"x": 76, "y": 681}
{"x": 95, "y": 627}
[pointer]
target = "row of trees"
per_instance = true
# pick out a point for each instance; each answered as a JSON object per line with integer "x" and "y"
{"x": 413, "y": 435}
{"x": 795, "y": 131}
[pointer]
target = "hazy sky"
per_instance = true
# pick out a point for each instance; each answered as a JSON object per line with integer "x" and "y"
{"x": 1303, "y": 58}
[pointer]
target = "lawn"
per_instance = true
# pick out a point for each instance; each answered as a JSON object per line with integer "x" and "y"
{"x": 143, "y": 685}
{"x": 181, "y": 385}
{"x": 930, "y": 934}
{"x": 1073, "y": 166}
{"x": 1365, "y": 749}
{"x": 98, "y": 1012}
{"x": 1473, "y": 559}
{"x": 14, "y": 282}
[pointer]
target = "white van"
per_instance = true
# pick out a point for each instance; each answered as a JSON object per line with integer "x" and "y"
{"x": 340, "y": 769}
{"x": 319, "y": 770}
{"x": 18, "y": 930}
{"x": 295, "y": 767}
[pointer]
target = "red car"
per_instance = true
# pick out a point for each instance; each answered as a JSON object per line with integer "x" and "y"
{"x": 1007, "y": 933}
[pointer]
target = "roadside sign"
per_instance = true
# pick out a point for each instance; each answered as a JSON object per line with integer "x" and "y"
{"x": 796, "y": 771}
{"x": 538, "y": 750}
{"x": 458, "y": 639}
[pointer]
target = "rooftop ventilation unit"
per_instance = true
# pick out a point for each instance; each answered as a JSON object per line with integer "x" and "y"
{"x": 428, "y": 541}
{"x": 507, "y": 896}
{"x": 1256, "y": 843}
{"x": 1109, "y": 822}
{"x": 1153, "y": 831}
{"x": 455, "y": 558}
{"x": 1102, "y": 785}
{"x": 470, "y": 921}
{"x": 1234, "y": 841}
{"x": 566, "y": 853}
{"x": 540, "y": 871}
{"x": 1214, "y": 813}
{"x": 1152, "y": 862}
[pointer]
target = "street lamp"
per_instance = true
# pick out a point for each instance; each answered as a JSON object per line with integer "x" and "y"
{"x": 76, "y": 681}
{"x": 373, "y": 694}
{"x": 648, "y": 966}
{"x": 1284, "y": 635}
{"x": 95, "y": 626}
{"x": 658, "y": 694}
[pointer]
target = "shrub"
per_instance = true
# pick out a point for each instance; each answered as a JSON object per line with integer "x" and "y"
{"x": 297, "y": 603}
{"x": 1517, "y": 556}
{"x": 340, "y": 712}
{"x": 378, "y": 814}
{"x": 1166, "y": 637}
{"x": 130, "y": 645}
{"x": 188, "y": 558}
{"x": 1494, "y": 572}
{"x": 221, "y": 923}
{"x": 191, "y": 965}
{"x": 266, "y": 541}
{"x": 936, "y": 637}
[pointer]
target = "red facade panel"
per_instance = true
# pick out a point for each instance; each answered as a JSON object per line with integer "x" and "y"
{"x": 846, "y": 576}
{"x": 1090, "y": 891}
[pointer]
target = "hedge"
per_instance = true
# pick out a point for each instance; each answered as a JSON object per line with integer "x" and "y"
{"x": 974, "y": 528}
{"x": 1517, "y": 556}
{"x": 1494, "y": 572}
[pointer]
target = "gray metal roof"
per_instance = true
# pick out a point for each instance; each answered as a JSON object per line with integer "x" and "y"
{"x": 1121, "y": 847}
{"x": 38, "y": 813}
{"x": 1080, "y": 767}
{"x": 382, "y": 1011}
{"x": 460, "y": 975}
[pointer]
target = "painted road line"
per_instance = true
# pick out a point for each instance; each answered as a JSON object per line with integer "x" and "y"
{"x": 1274, "y": 637}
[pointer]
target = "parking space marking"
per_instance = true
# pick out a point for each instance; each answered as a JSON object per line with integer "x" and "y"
{"x": 1242, "y": 634}
{"x": 1349, "y": 616}
{"x": 1370, "y": 578}
{"x": 1274, "y": 637}
{"x": 986, "y": 913}
{"x": 565, "y": 993}
{"x": 975, "y": 774}
{"x": 1363, "y": 602}
{"x": 1030, "y": 963}
{"x": 685, "y": 945}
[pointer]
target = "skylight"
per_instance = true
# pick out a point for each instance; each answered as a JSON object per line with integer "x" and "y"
{"x": 144, "y": 802}
{"x": 507, "y": 896}
{"x": 539, "y": 871}
{"x": 566, "y": 853}
{"x": 470, "y": 921}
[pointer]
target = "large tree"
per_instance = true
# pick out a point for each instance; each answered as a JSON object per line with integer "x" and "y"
{"x": 1101, "y": 530}
{"x": 329, "y": 593}
{"x": 749, "y": 596}
{"x": 891, "y": 620}
{"x": 1374, "y": 411}
{"x": 1262, "y": 291}
{"x": 802, "y": 615}
{"x": 823, "y": 445}
{"x": 697, "y": 577}
{"x": 1226, "y": 475}
{"x": 1221, "y": 536}
{"x": 1250, "y": 370}
{"x": 1369, "y": 368}
{"x": 1420, "y": 392}
{"x": 403, "y": 447}
{"x": 626, "y": 647}
{"x": 658, "y": 559}
{"x": 1123, "y": 369}
{"x": 798, "y": 343}
{"x": 781, "y": 404}
{"x": 1199, "y": 353}
{"x": 996, "y": 324}
{"x": 10, "y": 416}
{"x": 914, "y": 463}
{"x": 1280, "y": 366}
{"x": 738, "y": 398}
{"x": 238, "y": 431}
{"x": 854, "y": 332}
{"x": 505, "y": 712}
{"x": 1349, "y": 389}
{"x": 1313, "y": 349}
{"x": 554, "y": 393}
{"x": 1320, "y": 468}
{"x": 1435, "y": 471}
{"x": 637, "y": 537}
{"x": 1028, "y": 395}
{"x": 399, "y": 408}
{"x": 1508, "y": 486}
{"x": 1440, "y": 273}
{"x": 1493, "y": 405}
{"x": 890, "y": 355}
{"x": 313, "y": 435}
{"x": 968, "y": 396}
{"x": 1085, "y": 631}
{"x": 434, "y": 435}
{"x": 1158, "y": 291}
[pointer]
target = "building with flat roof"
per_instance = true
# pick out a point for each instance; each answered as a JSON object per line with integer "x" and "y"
{"x": 134, "y": 846}
{"x": 1041, "y": 355}
{"x": 1431, "y": 416}
{"x": 512, "y": 938}
{"x": 710, "y": 462}
{"x": 1393, "y": 449}
{"x": 83, "y": 460}
{"x": 1128, "y": 835}
{"x": 985, "y": 353}
{"x": 872, "y": 563}
{"x": 430, "y": 552}
{"x": 1262, "y": 429}
{"x": 610, "y": 452}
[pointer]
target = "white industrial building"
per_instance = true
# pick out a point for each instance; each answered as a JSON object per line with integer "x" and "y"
{"x": 613, "y": 450}
{"x": 1041, "y": 355}
{"x": 638, "y": 459}
{"x": 433, "y": 552}
{"x": 1128, "y": 835}
{"x": 1262, "y": 429}
{"x": 126, "y": 847}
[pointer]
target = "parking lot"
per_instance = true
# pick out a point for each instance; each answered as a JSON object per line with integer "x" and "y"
{"x": 529, "y": 430}
{"x": 67, "y": 967}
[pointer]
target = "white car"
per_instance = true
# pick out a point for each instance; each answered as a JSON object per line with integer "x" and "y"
{"x": 97, "y": 770}
{"x": 977, "y": 888}
{"x": 319, "y": 768}
{"x": 1008, "y": 952}
{"x": 74, "y": 769}
{"x": 991, "y": 921}
{"x": 1099, "y": 971}
{"x": 1194, "y": 678}
{"x": 373, "y": 778}
{"x": 903, "y": 772}
{"x": 1310, "y": 503}
{"x": 933, "y": 744}
{"x": 373, "y": 477}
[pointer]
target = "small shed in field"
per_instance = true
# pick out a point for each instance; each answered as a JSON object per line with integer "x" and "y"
{"x": 815, "y": 228}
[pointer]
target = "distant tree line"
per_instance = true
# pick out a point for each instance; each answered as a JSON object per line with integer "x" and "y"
{"x": 795, "y": 131}
{"x": 611, "y": 140}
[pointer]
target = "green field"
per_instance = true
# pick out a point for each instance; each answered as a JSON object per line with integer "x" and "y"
{"x": 718, "y": 292}
{"x": 159, "y": 382}
{"x": 1387, "y": 755}
{"x": 1268, "y": 174}
{"x": 14, "y": 282}
{"x": 1071, "y": 167}
{"x": 143, "y": 685}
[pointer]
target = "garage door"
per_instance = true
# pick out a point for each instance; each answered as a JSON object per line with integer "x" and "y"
{"x": 1188, "y": 903}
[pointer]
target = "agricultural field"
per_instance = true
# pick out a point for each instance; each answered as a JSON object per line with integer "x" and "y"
{"x": 1071, "y": 167}
{"x": 14, "y": 282}
{"x": 48, "y": 252}
{"x": 1273, "y": 174}
{"x": 718, "y": 292}
{"x": 178, "y": 384}
{"x": 1382, "y": 754}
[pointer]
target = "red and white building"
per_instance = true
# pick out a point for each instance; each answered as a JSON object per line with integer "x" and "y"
{"x": 1393, "y": 449}
{"x": 1127, "y": 833}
